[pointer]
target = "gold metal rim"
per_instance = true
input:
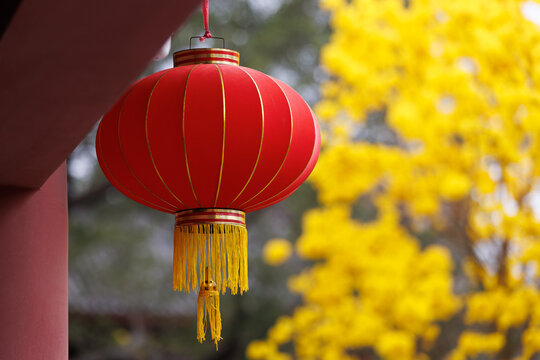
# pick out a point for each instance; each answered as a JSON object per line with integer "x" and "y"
{"x": 210, "y": 216}
{"x": 209, "y": 211}
{"x": 206, "y": 56}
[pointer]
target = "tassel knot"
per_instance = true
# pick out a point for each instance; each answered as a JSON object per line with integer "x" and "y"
{"x": 207, "y": 35}
{"x": 208, "y": 310}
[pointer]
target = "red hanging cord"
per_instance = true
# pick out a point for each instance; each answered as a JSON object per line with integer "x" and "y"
{"x": 207, "y": 34}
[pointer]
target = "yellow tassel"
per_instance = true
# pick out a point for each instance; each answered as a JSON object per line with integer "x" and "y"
{"x": 220, "y": 247}
{"x": 208, "y": 310}
{"x": 210, "y": 251}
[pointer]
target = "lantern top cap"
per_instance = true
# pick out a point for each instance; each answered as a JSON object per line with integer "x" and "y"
{"x": 206, "y": 56}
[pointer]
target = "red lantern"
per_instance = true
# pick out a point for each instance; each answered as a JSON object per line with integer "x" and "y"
{"x": 208, "y": 140}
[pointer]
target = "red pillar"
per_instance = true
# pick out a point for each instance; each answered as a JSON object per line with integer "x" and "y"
{"x": 34, "y": 271}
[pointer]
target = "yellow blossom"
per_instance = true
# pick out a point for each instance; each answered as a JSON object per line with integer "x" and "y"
{"x": 277, "y": 251}
{"x": 396, "y": 345}
{"x": 259, "y": 350}
{"x": 472, "y": 343}
{"x": 445, "y": 97}
{"x": 282, "y": 331}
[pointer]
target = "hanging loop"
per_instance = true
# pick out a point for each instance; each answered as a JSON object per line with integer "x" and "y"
{"x": 213, "y": 38}
{"x": 207, "y": 34}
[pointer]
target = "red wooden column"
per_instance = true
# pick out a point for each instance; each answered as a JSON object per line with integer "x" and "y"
{"x": 34, "y": 271}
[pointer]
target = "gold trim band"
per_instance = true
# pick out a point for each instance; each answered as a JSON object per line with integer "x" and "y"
{"x": 205, "y": 62}
{"x": 210, "y": 216}
{"x": 211, "y": 210}
{"x": 206, "y": 56}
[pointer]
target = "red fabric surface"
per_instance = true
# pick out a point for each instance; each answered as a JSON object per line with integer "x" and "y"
{"x": 208, "y": 136}
{"x": 115, "y": 168}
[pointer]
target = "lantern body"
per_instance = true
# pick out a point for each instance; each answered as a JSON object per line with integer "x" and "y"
{"x": 208, "y": 136}
{"x": 208, "y": 140}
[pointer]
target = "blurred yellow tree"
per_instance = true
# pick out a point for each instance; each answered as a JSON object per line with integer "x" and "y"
{"x": 432, "y": 117}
